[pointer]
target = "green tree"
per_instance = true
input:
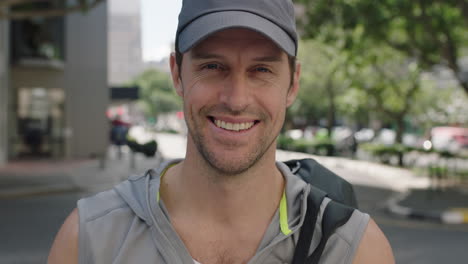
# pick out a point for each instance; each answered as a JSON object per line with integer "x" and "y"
{"x": 322, "y": 82}
{"x": 439, "y": 105}
{"x": 157, "y": 94}
{"x": 390, "y": 83}
{"x": 430, "y": 31}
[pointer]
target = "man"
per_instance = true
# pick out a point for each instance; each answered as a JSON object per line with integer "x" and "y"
{"x": 228, "y": 201}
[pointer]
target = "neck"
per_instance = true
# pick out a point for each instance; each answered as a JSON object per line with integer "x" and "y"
{"x": 190, "y": 188}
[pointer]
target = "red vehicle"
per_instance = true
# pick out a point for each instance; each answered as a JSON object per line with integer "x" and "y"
{"x": 449, "y": 138}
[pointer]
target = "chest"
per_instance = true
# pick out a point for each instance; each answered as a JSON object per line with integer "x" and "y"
{"x": 220, "y": 246}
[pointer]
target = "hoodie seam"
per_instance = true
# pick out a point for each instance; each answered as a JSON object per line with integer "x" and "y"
{"x": 125, "y": 238}
{"x": 106, "y": 212}
{"x": 85, "y": 252}
{"x": 357, "y": 238}
{"x": 136, "y": 177}
{"x": 154, "y": 227}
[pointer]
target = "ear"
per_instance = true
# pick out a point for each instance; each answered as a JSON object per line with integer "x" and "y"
{"x": 294, "y": 89}
{"x": 175, "y": 74}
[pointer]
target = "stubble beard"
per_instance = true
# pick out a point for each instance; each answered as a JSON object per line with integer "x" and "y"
{"x": 228, "y": 166}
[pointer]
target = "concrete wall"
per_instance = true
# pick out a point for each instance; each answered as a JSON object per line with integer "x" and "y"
{"x": 4, "y": 87}
{"x": 86, "y": 90}
{"x": 83, "y": 78}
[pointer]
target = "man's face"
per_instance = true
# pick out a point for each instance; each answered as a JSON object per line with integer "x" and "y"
{"x": 236, "y": 87}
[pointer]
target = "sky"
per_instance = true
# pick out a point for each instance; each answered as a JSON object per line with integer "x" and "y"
{"x": 159, "y": 24}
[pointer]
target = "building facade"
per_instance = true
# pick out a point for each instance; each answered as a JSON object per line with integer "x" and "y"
{"x": 55, "y": 83}
{"x": 125, "y": 49}
{"x": 4, "y": 88}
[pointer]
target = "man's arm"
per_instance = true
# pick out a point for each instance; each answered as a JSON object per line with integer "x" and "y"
{"x": 374, "y": 247}
{"x": 65, "y": 247}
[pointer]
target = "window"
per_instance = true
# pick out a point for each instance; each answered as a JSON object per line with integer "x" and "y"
{"x": 37, "y": 38}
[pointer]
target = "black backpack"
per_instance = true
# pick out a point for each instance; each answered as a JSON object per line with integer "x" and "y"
{"x": 324, "y": 183}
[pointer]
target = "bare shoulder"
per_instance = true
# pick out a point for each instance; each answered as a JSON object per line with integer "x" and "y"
{"x": 374, "y": 247}
{"x": 65, "y": 246}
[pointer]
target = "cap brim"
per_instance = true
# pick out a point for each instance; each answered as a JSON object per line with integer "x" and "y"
{"x": 211, "y": 23}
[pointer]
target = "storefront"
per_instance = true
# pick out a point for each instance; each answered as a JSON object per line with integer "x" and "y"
{"x": 53, "y": 88}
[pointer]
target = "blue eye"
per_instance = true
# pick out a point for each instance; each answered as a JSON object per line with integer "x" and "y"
{"x": 212, "y": 66}
{"x": 262, "y": 69}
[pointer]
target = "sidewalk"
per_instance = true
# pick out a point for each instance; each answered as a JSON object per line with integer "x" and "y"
{"x": 28, "y": 178}
{"x": 415, "y": 198}
{"x": 447, "y": 206}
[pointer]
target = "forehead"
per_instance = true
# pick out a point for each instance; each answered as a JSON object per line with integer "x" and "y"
{"x": 248, "y": 41}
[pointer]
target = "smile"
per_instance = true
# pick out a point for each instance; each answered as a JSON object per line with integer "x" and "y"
{"x": 233, "y": 126}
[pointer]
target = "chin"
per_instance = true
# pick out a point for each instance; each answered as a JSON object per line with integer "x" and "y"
{"x": 231, "y": 164}
{"x": 230, "y": 159}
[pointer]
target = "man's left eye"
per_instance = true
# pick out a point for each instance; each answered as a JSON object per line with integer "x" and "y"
{"x": 262, "y": 69}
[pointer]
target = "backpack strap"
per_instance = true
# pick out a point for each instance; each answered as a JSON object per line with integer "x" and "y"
{"x": 334, "y": 216}
{"x": 337, "y": 188}
{"x": 314, "y": 200}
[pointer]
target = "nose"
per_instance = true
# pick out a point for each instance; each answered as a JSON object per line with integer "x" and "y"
{"x": 236, "y": 93}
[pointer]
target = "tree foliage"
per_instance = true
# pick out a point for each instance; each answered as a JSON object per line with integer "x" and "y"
{"x": 157, "y": 93}
{"x": 389, "y": 82}
{"x": 322, "y": 82}
{"x": 430, "y": 31}
{"x": 437, "y": 106}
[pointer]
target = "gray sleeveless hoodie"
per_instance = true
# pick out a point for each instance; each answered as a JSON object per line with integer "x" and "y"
{"x": 128, "y": 225}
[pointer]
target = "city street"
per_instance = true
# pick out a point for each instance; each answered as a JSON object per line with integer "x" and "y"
{"x": 28, "y": 224}
{"x": 415, "y": 242}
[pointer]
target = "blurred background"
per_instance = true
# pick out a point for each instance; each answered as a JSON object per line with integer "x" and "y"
{"x": 86, "y": 100}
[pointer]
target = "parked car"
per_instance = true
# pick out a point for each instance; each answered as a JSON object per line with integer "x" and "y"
{"x": 453, "y": 139}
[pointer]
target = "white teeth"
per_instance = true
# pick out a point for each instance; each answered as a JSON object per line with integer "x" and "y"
{"x": 233, "y": 126}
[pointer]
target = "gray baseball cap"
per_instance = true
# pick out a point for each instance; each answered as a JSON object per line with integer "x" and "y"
{"x": 275, "y": 19}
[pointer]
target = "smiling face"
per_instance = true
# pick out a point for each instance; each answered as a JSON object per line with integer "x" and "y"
{"x": 236, "y": 87}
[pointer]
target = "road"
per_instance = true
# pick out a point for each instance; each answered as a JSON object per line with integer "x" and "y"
{"x": 28, "y": 226}
{"x": 413, "y": 241}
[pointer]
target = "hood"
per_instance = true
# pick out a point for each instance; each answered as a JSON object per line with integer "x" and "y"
{"x": 140, "y": 191}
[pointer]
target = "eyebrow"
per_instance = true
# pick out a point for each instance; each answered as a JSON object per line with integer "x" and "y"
{"x": 273, "y": 58}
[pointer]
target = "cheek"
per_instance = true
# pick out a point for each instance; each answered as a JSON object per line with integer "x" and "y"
{"x": 274, "y": 103}
{"x": 273, "y": 89}
{"x": 197, "y": 96}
